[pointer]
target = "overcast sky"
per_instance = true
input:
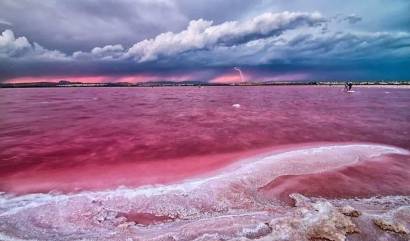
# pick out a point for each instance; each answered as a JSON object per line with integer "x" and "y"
{"x": 148, "y": 40}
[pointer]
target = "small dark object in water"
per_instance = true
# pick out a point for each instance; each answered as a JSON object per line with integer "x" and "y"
{"x": 348, "y": 86}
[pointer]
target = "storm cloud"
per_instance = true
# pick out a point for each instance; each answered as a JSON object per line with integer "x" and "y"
{"x": 202, "y": 34}
{"x": 179, "y": 40}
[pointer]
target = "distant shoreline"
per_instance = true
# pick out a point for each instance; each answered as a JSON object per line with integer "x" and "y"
{"x": 66, "y": 84}
{"x": 400, "y": 86}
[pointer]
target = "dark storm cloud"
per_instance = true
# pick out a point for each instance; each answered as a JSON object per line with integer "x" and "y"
{"x": 352, "y": 19}
{"x": 15, "y": 68}
{"x": 216, "y": 10}
{"x": 83, "y": 24}
{"x": 201, "y": 34}
{"x": 5, "y": 23}
{"x": 366, "y": 39}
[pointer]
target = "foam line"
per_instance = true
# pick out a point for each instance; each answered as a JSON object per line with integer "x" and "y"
{"x": 253, "y": 171}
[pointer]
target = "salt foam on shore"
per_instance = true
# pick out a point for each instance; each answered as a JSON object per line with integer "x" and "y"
{"x": 224, "y": 206}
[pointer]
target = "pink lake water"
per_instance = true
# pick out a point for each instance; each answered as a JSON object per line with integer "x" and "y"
{"x": 81, "y": 138}
{"x": 264, "y": 141}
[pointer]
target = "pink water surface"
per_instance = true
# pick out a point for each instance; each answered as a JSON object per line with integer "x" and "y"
{"x": 71, "y": 139}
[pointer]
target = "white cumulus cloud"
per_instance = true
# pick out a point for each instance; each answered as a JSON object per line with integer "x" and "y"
{"x": 12, "y": 47}
{"x": 108, "y": 52}
{"x": 202, "y": 34}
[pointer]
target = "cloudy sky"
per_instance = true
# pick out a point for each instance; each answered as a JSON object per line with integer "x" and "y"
{"x": 203, "y": 40}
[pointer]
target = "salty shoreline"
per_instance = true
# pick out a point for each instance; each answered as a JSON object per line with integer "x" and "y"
{"x": 116, "y": 164}
{"x": 229, "y": 205}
